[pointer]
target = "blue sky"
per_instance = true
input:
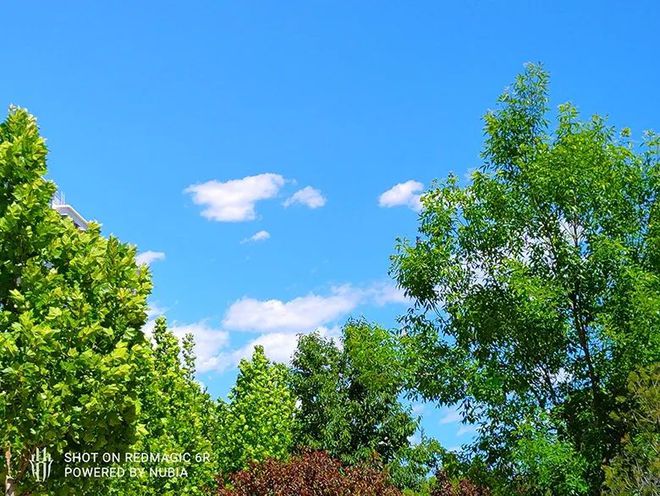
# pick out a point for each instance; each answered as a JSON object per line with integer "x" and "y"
{"x": 187, "y": 128}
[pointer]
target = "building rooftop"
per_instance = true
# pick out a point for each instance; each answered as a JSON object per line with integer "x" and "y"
{"x": 59, "y": 204}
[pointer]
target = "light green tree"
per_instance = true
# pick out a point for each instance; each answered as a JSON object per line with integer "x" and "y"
{"x": 177, "y": 417}
{"x": 536, "y": 286}
{"x": 71, "y": 307}
{"x": 257, "y": 422}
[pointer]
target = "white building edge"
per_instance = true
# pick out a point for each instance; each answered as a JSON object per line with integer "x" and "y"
{"x": 59, "y": 204}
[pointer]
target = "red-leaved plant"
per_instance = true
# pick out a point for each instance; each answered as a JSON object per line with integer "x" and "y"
{"x": 443, "y": 487}
{"x": 311, "y": 473}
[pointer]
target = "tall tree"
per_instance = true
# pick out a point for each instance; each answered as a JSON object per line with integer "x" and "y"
{"x": 349, "y": 396}
{"x": 257, "y": 422}
{"x": 71, "y": 307}
{"x": 176, "y": 417}
{"x": 536, "y": 286}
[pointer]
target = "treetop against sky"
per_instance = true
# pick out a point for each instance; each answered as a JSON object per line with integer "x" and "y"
{"x": 264, "y": 159}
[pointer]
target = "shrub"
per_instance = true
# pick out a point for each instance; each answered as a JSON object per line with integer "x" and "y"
{"x": 312, "y": 473}
{"x": 444, "y": 487}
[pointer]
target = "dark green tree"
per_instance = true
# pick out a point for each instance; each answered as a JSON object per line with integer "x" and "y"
{"x": 71, "y": 307}
{"x": 536, "y": 286}
{"x": 636, "y": 469}
{"x": 349, "y": 396}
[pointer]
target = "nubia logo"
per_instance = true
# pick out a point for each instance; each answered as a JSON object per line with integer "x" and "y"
{"x": 40, "y": 463}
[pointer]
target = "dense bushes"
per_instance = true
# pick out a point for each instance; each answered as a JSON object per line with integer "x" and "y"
{"x": 312, "y": 473}
{"x": 444, "y": 487}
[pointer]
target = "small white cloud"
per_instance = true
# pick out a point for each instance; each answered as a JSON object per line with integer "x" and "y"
{"x": 258, "y": 236}
{"x": 418, "y": 408}
{"x": 403, "y": 194}
{"x": 451, "y": 415}
{"x": 308, "y": 196}
{"x": 386, "y": 293}
{"x": 209, "y": 343}
{"x": 234, "y": 200}
{"x": 154, "y": 310}
{"x": 149, "y": 257}
{"x": 466, "y": 429}
{"x": 415, "y": 438}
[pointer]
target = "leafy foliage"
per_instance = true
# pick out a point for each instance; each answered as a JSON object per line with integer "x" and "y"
{"x": 349, "y": 404}
{"x": 443, "y": 486}
{"x": 546, "y": 464}
{"x": 536, "y": 286}
{"x": 636, "y": 469}
{"x": 308, "y": 474}
{"x": 71, "y": 307}
{"x": 257, "y": 423}
{"x": 176, "y": 417}
{"x": 412, "y": 465}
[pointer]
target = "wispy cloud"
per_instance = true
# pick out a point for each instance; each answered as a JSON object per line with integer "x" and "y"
{"x": 234, "y": 200}
{"x": 307, "y": 312}
{"x": 451, "y": 415}
{"x": 149, "y": 257}
{"x": 403, "y": 194}
{"x": 154, "y": 310}
{"x": 308, "y": 196}
{"x": 258, "y": 236}
{"x": 386, "y": 293}
{"x": 466, "y": 429}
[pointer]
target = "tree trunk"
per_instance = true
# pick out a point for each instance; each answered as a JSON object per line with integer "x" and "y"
{"x": 10, "y": 487}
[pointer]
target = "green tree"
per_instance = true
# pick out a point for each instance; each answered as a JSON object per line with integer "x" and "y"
{"x": 71, "y": 307}
{"x": 177, "y": 417}
{"x": 544, "y": 463}
{"x": 636, "y": 469}
{"x": 536, "y": 286}
{"x": 349, "y": 397}
{"x": 257, "y": 422}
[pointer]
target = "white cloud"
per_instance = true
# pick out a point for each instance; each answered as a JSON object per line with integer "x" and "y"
{"x": 308, "y": 196}
{"x": 149, "y": 257}
{"x": 403, "y": 194}
{"x": 466, "y": 429}
{"x": 278, "y": 346}
{"x": 386, "y": 293}
{"x": 258, "y": 236}
{"x": 308, "y": 312}
{"x": 451, "y": 415}
{"x": 154, "y": 310}
{"x": 234, "y": 200}
{"x": 209, "y": 343}
{"x": 300, "y": 314}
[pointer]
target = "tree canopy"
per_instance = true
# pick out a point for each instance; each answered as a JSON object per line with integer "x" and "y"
{"x": 536, "y": 285}
{"x": 349, "y": 397}
{"x": 257, "y": 422}
{"x": 72, "y": 304}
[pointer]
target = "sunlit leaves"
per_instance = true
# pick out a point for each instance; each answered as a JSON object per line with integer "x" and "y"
{"x": 536, "y": 285}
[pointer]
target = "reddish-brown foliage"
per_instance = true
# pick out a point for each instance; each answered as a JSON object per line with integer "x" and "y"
{"x": 308, "y": 474}
{"x": 444, "y": 487}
